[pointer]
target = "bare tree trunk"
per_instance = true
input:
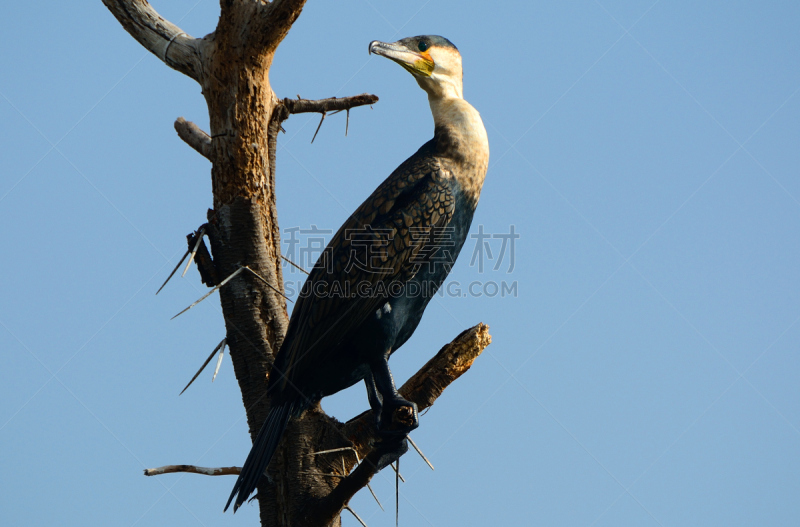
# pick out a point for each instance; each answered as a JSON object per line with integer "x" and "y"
{"x": 232, "y": 66}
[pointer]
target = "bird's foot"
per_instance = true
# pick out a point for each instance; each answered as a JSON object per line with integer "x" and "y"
{"x": 390, "y": 450}
{"x": 397, "y": 418}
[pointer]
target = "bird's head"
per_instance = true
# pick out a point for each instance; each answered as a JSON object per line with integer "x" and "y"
{"x": 433, "y": 61}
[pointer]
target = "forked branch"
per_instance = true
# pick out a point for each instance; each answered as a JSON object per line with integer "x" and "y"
{"x": 279, "y": 17}
{"x": 161, "y": 37}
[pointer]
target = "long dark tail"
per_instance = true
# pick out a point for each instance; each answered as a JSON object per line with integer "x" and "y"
{"x": 263, "y": 448}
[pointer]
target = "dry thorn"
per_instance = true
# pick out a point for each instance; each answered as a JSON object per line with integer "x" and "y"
{"x": 318, "y": 127}
{"x": 347, "y": 507}
{"x": 376, "y": 497}
{"x": 218, "y": 286}
{"x": 220, "y": 345}
{"x": 236, "y": 272}
{"x": 397, "y": 469}
{"x": 200, "y": 235}
{"x": 331, "y": 451}
{"x": 358, "y": 462}
{"x": 173, "y": 271}
{"x": 268, "y": 284}
{"x": 294, "y": 264}
{"x": 219, "y": 363}
{"x": 413, "y": 444}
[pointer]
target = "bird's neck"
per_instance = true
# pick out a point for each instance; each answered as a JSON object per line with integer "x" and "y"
{"x": 460, "y": 120}
{"x": 461, "y": 135}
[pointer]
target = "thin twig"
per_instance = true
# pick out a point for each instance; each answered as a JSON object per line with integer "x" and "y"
{"x": 323, "y": 106}
{"x": 173, "y": 271}
{"x": 200, "y": 235}
{"x": 419, "y": 452}
{"x": 172, "y": 469}
{"x": 220, "y": 345}
{"x": 397, "y": 496}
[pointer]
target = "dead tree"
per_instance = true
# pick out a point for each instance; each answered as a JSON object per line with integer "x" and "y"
{"x": 232, "y": 65}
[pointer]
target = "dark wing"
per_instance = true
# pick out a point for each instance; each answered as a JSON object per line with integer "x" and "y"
{"x": 384, "y": 241}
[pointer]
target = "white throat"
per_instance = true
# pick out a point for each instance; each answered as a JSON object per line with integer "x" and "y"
{"x": 461, "y": 119}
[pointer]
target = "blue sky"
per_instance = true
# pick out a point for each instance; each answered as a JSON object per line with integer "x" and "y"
{"x": 644, "y": 374}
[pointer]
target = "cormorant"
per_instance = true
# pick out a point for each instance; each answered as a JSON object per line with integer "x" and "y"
{"x": 366, "y": 294}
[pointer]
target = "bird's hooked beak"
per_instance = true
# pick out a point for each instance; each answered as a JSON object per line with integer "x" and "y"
{"x": 420, "y": 64}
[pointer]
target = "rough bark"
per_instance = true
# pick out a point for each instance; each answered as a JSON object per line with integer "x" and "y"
{"x": 194, "y": 137}
{"x": 232, "y": 66}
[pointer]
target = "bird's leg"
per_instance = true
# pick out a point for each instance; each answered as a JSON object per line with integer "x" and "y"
{"x": 375, "y": 401}
{"x": 392, "y": 446}
{"x": 397, "y": 417}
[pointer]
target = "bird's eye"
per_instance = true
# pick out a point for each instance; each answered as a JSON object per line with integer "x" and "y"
{"x": 422, "y": 46}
